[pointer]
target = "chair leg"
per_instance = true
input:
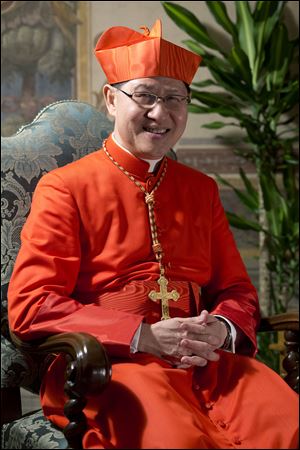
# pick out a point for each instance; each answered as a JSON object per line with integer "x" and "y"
{"x": 73, "y": 410}
{"x": 291, "y": 361}
{"x": 11, "y": 408}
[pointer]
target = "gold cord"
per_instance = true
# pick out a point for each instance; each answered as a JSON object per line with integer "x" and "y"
{"x": 149, "y": 200}
{"x": 163, "y": 294}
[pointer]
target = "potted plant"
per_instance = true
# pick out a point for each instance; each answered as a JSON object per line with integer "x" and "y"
{"x": 254, "y": 84}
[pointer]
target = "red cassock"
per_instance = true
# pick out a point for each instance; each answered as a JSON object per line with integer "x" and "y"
{"x": 86, "y": 264}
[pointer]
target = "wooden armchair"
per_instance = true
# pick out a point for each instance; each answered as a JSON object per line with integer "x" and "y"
{"x": 61, "y": 133}
{"x": 289, "y": 324}
{"x": 88, "y": 372}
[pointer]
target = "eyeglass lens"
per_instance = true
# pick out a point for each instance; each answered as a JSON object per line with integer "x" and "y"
{"x": 171, "y": 101}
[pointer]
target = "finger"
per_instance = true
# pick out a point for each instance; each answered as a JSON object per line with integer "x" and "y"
{"x": 190, "y": 328}
{"x": 193, "y": 361}
{"x": 203, "y": 316}
{"x": 202, "y": 349}
{"x": 203, "y": 319}
{"x": 184, "y": 350}
{"x": 199, "y": 333}
{"x": 211, "y": 319}
{"x": 179, "y": 365}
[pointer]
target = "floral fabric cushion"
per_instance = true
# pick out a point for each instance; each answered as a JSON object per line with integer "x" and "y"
{"x": 61, "y": 133}
{"x": 16, "y": 369}
{"x": 32, "y": 431}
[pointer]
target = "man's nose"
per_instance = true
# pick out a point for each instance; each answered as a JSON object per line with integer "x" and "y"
{"x": 159, "y": 109}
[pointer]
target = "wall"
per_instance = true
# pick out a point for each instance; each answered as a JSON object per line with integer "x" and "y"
{"x": 198, "y": 147}
{"x": 104, "y": 14}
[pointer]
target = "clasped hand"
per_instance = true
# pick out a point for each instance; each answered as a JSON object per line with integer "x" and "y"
{"x": 184, "y": 342}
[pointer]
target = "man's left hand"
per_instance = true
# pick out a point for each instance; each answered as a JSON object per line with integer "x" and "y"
{"x": 214, "y": 333}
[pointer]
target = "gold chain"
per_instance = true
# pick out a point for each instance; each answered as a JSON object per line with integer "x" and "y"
{"x": 149, "y": 200}
{"x": 163, "y": 294}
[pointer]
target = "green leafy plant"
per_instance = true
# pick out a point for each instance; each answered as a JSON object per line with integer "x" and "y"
{"x": 253, "y": 85}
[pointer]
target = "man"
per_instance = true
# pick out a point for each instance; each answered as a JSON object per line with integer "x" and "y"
{"x": 134, "y": 248}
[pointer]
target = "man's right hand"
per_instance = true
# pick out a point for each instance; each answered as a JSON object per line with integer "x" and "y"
{"x": 195, "y": 338}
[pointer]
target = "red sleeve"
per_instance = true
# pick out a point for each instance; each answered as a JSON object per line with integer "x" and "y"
{"x": 230, "y": 292}
{"x": 40, "y": 299}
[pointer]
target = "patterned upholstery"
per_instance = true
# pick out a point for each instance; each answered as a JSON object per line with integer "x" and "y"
{"x": 32, "y": 431}
{"x": 16, "y": 368}
{"x": 61, "y": 133}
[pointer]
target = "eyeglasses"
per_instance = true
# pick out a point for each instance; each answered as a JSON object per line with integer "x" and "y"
{"x": 148, "y": 100}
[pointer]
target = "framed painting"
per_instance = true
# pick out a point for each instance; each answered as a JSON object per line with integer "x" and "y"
{"x": 44, "y": 58}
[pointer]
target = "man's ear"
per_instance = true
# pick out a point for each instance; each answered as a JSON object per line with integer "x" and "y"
{"x": 109, "y": 94}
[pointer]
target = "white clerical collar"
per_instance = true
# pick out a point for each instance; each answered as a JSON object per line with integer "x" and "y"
{"x": 152, "y": 162}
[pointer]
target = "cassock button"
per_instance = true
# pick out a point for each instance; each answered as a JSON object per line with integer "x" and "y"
{"x": 208, "y": 405}
{"x": 237, "y": 441}
{"x": 222, "y": 424}
{"x": 196, "y": 387}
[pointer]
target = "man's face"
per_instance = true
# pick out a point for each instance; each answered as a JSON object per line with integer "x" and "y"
{"x": 147, "y": 133}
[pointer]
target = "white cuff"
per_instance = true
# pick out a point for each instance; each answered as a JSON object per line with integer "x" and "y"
{"x": 233, "y": 331}
{"x": 135, "y": 340}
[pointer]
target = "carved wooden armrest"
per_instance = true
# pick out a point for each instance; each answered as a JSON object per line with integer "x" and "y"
{"x": 88, "y": 372}
{"x": 289, "y": 323}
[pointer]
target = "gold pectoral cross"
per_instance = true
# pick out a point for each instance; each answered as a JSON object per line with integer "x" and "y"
{"x": 164, "y": 296}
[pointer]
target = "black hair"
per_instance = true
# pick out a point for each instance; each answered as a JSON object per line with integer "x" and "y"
{"x": 120, "y": 84}
{"x": 187, "y": 88}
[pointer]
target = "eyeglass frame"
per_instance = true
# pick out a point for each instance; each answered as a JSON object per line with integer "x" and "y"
{"x": 157, "y": 97}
